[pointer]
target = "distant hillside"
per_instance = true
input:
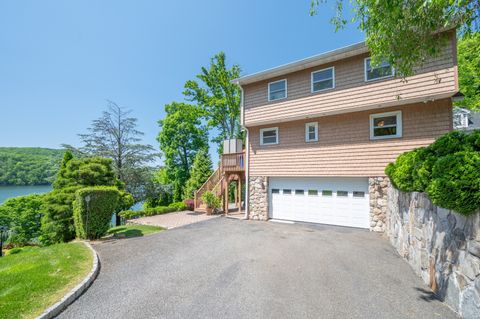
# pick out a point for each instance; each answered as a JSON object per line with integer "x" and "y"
{"x": 28, "y": 165}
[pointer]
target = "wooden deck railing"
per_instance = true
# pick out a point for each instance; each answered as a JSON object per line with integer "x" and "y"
{"x": 211, "y": 182}
{"x": 234, "y": 162}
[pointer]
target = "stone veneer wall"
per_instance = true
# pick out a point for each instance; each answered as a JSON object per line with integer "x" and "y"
{"x": 443, "y": 247}
{"x": 377, "y": 187}
{"x": 258, "y": 198}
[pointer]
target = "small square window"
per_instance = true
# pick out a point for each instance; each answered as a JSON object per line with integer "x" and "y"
{"x": 311, "y": 132}
{"x": 299, "y": 192}
{"x": 312, "y": 192}
{"x": 287, "y": 191}
{"x": 277, "y": 90}
{"x": 275, "y": 191}
{"x": 358, "y": 194}
{"x": 386, "y": 125}
{"x": 269, "y": 136}
{"x": 323, "y": 80}
{"x": 342, "y": 194}
{"x": 327, "y": 193}
{"x": 384, "y": 70}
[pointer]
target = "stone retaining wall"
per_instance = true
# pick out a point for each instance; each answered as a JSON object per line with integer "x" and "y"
{"x": 258, "y": 200}
{"x": 443, "y": 247}
{"x": 377, "y": 188}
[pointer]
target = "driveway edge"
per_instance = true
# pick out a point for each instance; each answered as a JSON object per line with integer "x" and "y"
{"x": 73, "y": 294}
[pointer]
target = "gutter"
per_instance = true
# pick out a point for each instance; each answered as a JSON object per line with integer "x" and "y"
{"x": 247, "y": 148}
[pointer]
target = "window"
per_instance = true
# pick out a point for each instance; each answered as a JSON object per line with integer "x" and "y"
{"x": 287, "y": 191}
{"x": 312, "y": 192}
{"x": 269, "y": 136}
{"x": 275, "y": 191}
{"x": 311, "y": 132}
{"x": 358, "y": 194}
{"x": 386, "y": 125}
{"x": 342, "y": 193}
{"x": 299, "y": 192}
{"x": 327, "y": 193}
{"x": 323, "y": 80}
{"x": 277, "y": 90}
{"x": 384, "y": 70}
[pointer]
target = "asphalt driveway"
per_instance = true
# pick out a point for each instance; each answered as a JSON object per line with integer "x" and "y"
{"x": 225, "y": 268}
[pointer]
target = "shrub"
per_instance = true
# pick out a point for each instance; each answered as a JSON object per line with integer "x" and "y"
{"x": 92, "y": 210}
{"x": 22, "y": 216}
{"x": 456, "y": 182}
{"x": 211, "y": 200}
{"x": 130, "y": 214}
{"x": 179, "y": 206}
{"x": 448, "y": 171}
{"x": 14, "y": 251}
{"x": 190, "y": 204}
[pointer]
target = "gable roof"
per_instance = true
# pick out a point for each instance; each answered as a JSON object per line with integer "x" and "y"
{"x": 313, "y": 61}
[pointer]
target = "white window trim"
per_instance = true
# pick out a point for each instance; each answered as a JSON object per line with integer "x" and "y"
{"x": 286, "y": 90}
{"x": 398, "y": 114}
{"x": 383, "y": 77}
{"x": 307, "y": 125}
{"x": 268, "y": 129}
{"x": 333, "y": 80}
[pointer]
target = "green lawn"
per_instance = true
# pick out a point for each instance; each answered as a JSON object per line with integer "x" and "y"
{"x": 128, "y": 231}
{"x": 38, "y": 277}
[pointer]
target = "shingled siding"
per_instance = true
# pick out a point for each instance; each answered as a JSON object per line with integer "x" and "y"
{"x": 344, "y": 147}
{"x": 351, "y": 93}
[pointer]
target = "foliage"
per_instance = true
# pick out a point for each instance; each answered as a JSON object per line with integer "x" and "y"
{"x": 130, "y": 214}
{"x": 128, "y": 231}
{"x": 93, "y": 209}
{"x": 14, "y": 251}
{"x": 199, "y": 173}
{"x": 57, "y": 222}
{"x": 211, "y": 200}
{"x": 190, "y": 204}
{"x": 114, "y": 135}
{"x": 218, "y": 97}
{"x": 469, "y": 71}
{"x": 22, "y": 216}
{"x": 448, "y": 171}
{"x": 158, "y": 191}
{"x": 181, "y": 136}
{"x": 179, "y": 206}
{"x": 28, "y": 165}
{"x": 405, "y": 33}
{"x": 39, "y": 277}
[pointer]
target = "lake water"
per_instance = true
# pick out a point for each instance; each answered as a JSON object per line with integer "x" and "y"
{"x": 14, "y": 191}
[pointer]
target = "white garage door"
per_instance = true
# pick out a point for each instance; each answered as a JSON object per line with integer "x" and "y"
{"x": 336, "y": 201}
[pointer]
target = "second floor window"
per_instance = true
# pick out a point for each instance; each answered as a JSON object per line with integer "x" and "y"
{"x": 311, "y": 132}
{"x": 383, "y": 70}
{"x": 323, "y": 79}
{"x": 269, "y": 136}
{"x": 386, "y": 125}
{"x": 277, "y": 90}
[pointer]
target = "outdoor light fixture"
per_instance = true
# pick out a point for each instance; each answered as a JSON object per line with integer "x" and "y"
{"x": 3, "y": 232}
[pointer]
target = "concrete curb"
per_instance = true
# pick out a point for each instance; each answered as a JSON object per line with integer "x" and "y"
{"x": 73, "y": 294}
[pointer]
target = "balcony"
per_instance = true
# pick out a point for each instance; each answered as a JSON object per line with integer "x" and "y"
{"x": 233, "y": 162}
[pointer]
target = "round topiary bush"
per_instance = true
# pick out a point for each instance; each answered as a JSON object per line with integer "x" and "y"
{"x": 456, "y": 182}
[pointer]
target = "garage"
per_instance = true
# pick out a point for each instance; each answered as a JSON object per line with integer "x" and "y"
{"x": 336, "y": 201}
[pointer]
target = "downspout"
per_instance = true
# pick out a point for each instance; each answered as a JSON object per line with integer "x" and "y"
{"x": 247, "y": 151}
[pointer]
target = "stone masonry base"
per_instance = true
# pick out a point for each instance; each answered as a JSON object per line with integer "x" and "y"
{"x": 258, "y": 198}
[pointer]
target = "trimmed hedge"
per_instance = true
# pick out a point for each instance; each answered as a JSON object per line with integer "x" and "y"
{"x": 448, "y": 171}
{"x": 92, "y": 210}
{"x": 159, "y": 210}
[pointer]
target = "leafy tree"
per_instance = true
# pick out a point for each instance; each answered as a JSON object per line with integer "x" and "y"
{"x": 218, "y": 97}
{"x": 405, "y": 33}
{"x": 28, "y": 165}
{"x": 57, "y": 222}
{"x": 181, "y": 136}
{"x": 114, "y": 135}
{"x": 469, "y": 71}
{"x": 158, "y": 190}
{"x": 200, "y": 172}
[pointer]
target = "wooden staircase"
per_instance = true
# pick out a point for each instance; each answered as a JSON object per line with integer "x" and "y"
{"x": 218, "y": 182}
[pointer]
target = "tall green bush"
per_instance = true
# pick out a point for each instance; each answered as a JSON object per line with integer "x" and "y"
{"x": 92, "y": 210}
{"x": 199, "y": 173}
{"x": 22, "y": 216}
{"x": 448, "y": 171}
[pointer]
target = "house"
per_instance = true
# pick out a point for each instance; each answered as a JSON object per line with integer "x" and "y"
{"x": 464, "y": 119}
{"x": 320, "y": 132}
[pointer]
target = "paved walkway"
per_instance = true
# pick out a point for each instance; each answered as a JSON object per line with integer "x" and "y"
{"x": 173, "y": 220}
{"x": 228, "y": 268}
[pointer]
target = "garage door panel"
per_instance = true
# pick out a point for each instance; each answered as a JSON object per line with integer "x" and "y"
{"x": 337, "y": 201}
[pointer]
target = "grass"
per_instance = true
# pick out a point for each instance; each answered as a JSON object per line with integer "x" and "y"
{"x": 129, "y": 231}
{"x": 37, "y": 277}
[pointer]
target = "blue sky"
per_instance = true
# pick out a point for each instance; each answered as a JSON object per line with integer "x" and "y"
{"x": 61, "y": 60}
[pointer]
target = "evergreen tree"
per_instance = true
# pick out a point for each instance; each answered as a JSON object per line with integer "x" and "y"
{"x": 200, "y": 172}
